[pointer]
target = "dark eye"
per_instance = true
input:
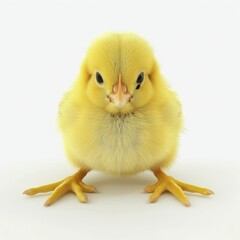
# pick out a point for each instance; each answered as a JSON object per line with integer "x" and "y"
{"x": 99, "y": 78}
{"x": 140, "y": 78}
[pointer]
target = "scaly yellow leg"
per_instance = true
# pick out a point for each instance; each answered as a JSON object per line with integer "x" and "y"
{"x": 167, "y": 183}
{"x": 73, "y": 183}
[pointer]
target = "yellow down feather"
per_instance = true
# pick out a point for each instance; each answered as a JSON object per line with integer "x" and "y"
{"x": 141, "y": 135}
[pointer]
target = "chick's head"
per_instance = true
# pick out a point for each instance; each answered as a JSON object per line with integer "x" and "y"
{"x": 118, "y": 70}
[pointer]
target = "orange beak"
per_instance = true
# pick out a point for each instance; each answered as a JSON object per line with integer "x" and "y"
{"x": 120, "y": 96}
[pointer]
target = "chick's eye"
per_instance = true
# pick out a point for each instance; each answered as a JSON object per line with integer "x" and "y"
{"x": 140, "y": 78}
{"x": 99, "y": 78}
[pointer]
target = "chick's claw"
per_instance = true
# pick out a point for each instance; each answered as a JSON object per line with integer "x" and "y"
{"x": 167, "y": 183}
{"x": 73, "y": 183}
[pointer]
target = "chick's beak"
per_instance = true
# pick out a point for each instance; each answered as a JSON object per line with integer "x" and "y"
{"x": 120, "y": 95}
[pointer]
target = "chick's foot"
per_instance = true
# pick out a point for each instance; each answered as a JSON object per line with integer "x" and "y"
{"x": 72, "y": 183}
{"x": 167, "y": 183}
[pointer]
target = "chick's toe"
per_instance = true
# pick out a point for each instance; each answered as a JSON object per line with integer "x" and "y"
{"x": 167, "y": 183}
{"x": 72, "y": 183}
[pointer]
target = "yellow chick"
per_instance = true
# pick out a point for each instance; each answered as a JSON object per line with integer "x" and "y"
{"x": 120, "y": 117}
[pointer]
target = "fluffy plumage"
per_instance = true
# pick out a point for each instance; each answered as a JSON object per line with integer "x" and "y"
{"x": 140, "y": 135}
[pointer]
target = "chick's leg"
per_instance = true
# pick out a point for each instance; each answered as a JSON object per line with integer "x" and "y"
{"x": 72, "y": 183}
{"x": 167, "y": 183}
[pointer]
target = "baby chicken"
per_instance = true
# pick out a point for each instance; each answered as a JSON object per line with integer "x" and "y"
{"x": 120, "y": 117}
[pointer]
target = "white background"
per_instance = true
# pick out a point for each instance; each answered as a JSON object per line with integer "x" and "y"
{"x": 42, "y": 44}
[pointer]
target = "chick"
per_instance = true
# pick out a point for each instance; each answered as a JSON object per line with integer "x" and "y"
{"x": 120, "y": 117}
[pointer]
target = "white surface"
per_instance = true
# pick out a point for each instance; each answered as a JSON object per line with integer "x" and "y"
{"x": 42, "y": 44}
{"x": 120, "y": 209}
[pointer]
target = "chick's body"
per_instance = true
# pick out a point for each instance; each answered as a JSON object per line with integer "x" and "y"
{"x": 121, "y": 142}
{"x": 120, "y": 117}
